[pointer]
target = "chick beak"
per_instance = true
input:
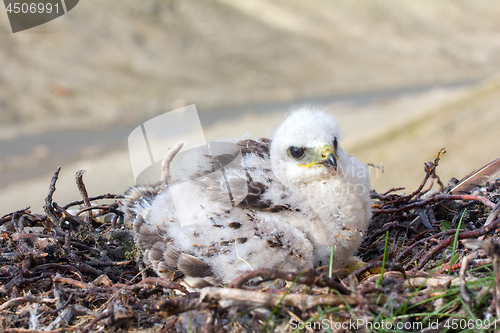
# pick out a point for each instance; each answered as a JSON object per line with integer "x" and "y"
{"x": 330, "y": 161}
{"x": 326, "y": 158}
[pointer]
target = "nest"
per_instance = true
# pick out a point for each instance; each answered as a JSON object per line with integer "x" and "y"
{"x": 75, "y": 268}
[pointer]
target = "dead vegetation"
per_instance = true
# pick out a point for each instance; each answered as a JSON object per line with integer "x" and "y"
{"x": 75, "y": 268}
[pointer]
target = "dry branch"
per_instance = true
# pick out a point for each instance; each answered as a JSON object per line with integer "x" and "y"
{"x": 49, "y": 210}
{"x": 309, "y": 277}
{"x": 26, "y": 299}
{"x": 301, "y": 301}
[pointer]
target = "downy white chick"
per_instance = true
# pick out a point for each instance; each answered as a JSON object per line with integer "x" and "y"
{"x": 303, "y": 195}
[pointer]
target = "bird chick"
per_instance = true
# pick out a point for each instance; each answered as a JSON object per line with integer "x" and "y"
{"x": 304, "y": 195}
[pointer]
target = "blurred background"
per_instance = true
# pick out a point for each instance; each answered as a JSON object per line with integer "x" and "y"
{"x": 403, "y": 78}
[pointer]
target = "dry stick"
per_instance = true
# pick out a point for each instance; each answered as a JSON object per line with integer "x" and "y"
{"x": 103, "y": 210}
{"x": 79, "y": 284}
{"x": 493, "y": 249}
{"x": 429, "y": 172}
{"x": 53, "y": 267}
{"x": 13, "y": 216}
{"x": 475, "y": 263}
{"x": 92, "y": 208}
{"x": 25, "y": 330}
{"x": 75, "y": 242}
{"x": 108, "y": 263}
{"x": 165, "y": 163}
{"x": 493, "y": 215}
{"x": 113, "y": 221}
{"x": 68, "y": 216}
{"x": 387, "y": 227}
{"x": 394, "y": 189}
{"x": 463, "y": 290}
{"x": 208, "y": 327}
{"x": 446, "y": 242}
{"x": 310, "y": 277}
{"x": 49, "y": 210}
{"x": 467, "y": 197}
{"x": 106, "y": 313}
{"x": 152, "y": 281}
{"x": 32, "y": 220}
{"x": 174, "y": 306}
{"x": 496, "y": 268}
{"x": 410, "y": 247}
{"x": 26, "y": 299}
{"x": 84, "y": 194}
{"x": 376, "y": 264}
{"x": 99, "y": 197}
{"x": 147, "y": 282}
{"x": 301, "y": 301}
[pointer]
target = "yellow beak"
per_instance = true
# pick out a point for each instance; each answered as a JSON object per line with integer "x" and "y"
{"x": 326, "y": 157}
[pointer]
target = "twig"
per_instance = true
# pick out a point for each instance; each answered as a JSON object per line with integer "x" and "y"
{"x": 310, "y": 277}
{"x": 410, "y": 247}
{"x": 463, "y": 290}
{"x": 153, "y": 281}
{"x": 105, "y": 208}
{"x": 99, "y": 197}
{"x": 447, "y": 241}
{"x": 86, "y": 209}
{"x": 75, "y": 221}
{"x": 53, "y": 267}
{"x": 394, "y": 189}
{"x": 493, "y": 215}
{"x": 375, "y": 264}
{"x": 108, "y": 263}
{"x": 74, "y": 242}
{"x": 78, "y": 284}
{"x": 430, "y": 171}
{"x": 12, "y": 216}
{"x": 83, "y": 193}
{"x": 176, "y": 306}
{"x": 26, "y": 299}
{"x": 493, "y": 249}
{"x": 165, "y": 163}
{"x": 467, "y": 197}
{"x": 430, "y": 282}
{"x": 301, "y": 301}
{"x": 388, "y": 226}
{"x": 49, "y": 210}
{"x": 208, "y": 327}
{"x": 106, "y": 313}
{"x": 25, "y": 330}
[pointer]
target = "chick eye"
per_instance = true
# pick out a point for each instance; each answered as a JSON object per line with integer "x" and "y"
{"x": 296, "y": 152}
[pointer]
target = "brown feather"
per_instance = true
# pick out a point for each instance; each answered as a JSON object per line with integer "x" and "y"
{"x": 260, "y": 148}
{"x": 477, "y": 178}
{"x": 192, "y": 266}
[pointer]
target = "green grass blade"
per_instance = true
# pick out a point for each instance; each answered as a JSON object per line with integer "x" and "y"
{"x": 281, "y": 300}
{"x": 454, "y": 259}
{"x": 381, "y": 277}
